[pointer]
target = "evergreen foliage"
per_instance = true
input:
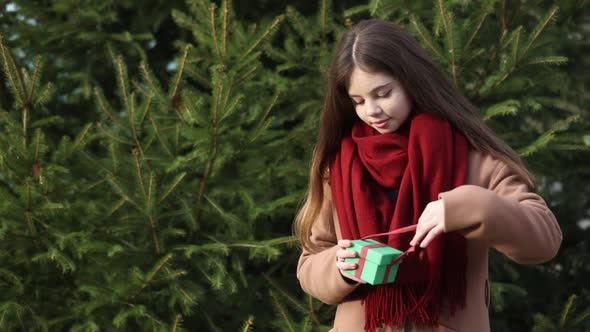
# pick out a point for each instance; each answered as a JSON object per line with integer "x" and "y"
{"x": 140, "y": 193}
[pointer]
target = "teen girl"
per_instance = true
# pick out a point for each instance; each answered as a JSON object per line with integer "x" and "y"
{"x": 399, "y": 145}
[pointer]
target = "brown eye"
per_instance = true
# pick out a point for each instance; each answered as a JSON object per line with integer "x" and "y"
{"x": 386, "y": 94}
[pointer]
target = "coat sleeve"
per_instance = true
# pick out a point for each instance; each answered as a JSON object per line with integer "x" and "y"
{"x": 505, "y": 214}
{"x": 317, "y": 272}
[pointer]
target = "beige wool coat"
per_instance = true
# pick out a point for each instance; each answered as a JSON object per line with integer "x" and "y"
{"x": 494, "y": 209}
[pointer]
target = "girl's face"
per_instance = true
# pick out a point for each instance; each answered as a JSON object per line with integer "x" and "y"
{"x": 379, "y": 100}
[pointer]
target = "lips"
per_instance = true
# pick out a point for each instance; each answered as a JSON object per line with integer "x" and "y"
{"x": 380, "y": 123}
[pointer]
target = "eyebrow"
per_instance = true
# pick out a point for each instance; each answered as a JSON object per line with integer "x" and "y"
{"x": 374, "y": 89}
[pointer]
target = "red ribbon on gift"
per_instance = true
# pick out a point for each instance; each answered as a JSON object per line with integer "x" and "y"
{"x": 363, "y": 257}
{"x": 365, "y": 250}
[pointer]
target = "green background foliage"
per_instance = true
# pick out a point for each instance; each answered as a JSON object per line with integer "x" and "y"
{"x": 153, "y": 154}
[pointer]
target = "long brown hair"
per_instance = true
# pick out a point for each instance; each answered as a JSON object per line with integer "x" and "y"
{"x": 382, "y": 46}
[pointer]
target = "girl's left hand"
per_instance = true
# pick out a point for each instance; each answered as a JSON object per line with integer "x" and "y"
{"x": 430, "y": 224}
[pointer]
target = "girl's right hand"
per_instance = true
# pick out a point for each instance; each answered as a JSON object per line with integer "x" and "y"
{"x": 343, "y": 253}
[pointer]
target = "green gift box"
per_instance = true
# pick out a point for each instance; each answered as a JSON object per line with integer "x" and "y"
{"x": 374, "y": 262}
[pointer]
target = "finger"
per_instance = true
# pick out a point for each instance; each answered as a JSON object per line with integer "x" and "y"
{"x": 434, "y": 232}
{"x": 343, "y": 253}
{"x": 415, "y": 239}
{"x": 344, "y": 243}
{"x": 349, "y": 276}
{"x": 352, "y": 277}
{"x": 346, "y": 266}
{"x": 421, "y": 231}
{"x": 425, "y": 214}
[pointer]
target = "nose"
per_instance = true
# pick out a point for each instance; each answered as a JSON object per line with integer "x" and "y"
{"x": 373, "y": 109}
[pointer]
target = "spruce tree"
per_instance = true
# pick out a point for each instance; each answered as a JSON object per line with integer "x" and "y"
{"x": 171, "y": 182}
{"x": 162, "y": 197}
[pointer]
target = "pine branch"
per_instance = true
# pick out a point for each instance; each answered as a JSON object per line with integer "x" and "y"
{"x": 484, "y": 15}
{"x": 12, "y": 73}
{"x": 580, "y": 318}
{"x": 139, "y": 171}
{"x": 37, "y": 145}
{"x": 113, "y": 136}
{"x": 171, "y": 187}
{"x": 515, "y": 46}
{"x": 264, "y": 123}
{"x": 135, "y": 311}
{"x": 539, "y": 29}
{"x": 177, "y": 322}
{"x": 218, "y": 75}
{"x": 218, "y": 278}
{"x": 115, "y": 207}
{"x": 497, "y": 48}
{"x": 122, "y": 193}
{"x": 450, "y": 33}
{"x": 427, "y": 39}
{"x": 508, "y": 67}
{"x": 157, "y": 131}
{"x": 296, "y": 20}
{"x": 509, "y": 106}
{"x": 28, "y": 214}
{"x": 225, "y": 6}
{"x": 212, "y": 8}
{"x": 180, "y": 72}
{"x": 96, "y": 164}
{"x": 54, "y": 255}
{"x": 138, "y": 145}
{"x": 25, "y": 121}
{"x": 104, "y": 107}
{"x": 503, "y": 16}
{"x": 132, "y": 122}
{"x": 35, "y": 78}
{"x": 146, "y": 109}
{"x": 309, "y": 311}
{"x": 122, "y": 80}
{"x": 176, "y": 138}
{"x": 153, "y": 83}
{"x": 212, "y": 326}
{"x": 16, "y": 309}
{"x": 200, "y": 11}
{"x": 248, "y": 324}
{"x": 516, "y": 53}
{"x": 190, "y": 115}
{"x": 324, "y": 17}
{"x": 265, "y": 244}
{"x": 218, "y": 247}
{"x": 566, "y": 311}
{"x": 213, "y": 148}
{"x": 150, "y": 195}
{"x": 264, "y": 35}
{"x": 548, "y": 60}
{"x": 548, "y": 136}
{"x": 249, "y": 74}
{"x": 282, "y": 311}
{"x": 80, "y": 138}
{"x": 155, "y": 235}
{"x": 155, "y": 270}
{"x": 348, "y": 13}
{"x": 9, "y": 189}
{"x": 229, "y": 110}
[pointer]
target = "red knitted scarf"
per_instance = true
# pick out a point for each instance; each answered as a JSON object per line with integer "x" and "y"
{"x": 420, "y": 160}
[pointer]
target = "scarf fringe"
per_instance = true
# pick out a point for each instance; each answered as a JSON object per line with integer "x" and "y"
{"x": 392, "y": 304}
